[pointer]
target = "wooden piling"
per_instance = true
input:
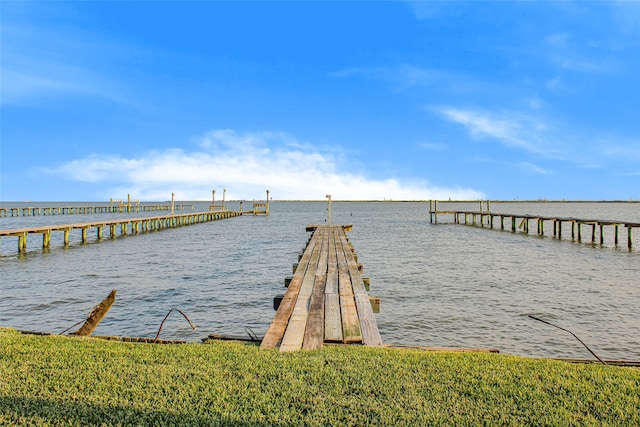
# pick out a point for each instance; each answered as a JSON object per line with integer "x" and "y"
{"x": 97, "y": 314}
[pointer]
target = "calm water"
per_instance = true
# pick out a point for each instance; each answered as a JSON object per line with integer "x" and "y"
{"x": 440, "y": 285}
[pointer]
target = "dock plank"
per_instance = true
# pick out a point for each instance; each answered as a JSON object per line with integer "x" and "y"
{"x": 294, "y": 335}
{"x": 350, "y": 323}
{"x": 368, "y": 325}
{"x": 278, "y": 326}
{"x": 332, "y": 317}
{"x": 314, "y": 331}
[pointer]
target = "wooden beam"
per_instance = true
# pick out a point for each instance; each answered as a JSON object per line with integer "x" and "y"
{"x": 332, "y": 317}
{"x": 294, "y": 335}
{"x": 368, "y": 324}
{"x": 276, "y": 330}
{"x": 97, "y": 314}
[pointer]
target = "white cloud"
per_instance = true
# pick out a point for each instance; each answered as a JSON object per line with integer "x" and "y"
{"x": 534, "y": 168}
{"x": 434, "y": 146}
{"x": 515, "y": 130}
{"x": 246, "y": 165}
{"x": 626, "y": 151}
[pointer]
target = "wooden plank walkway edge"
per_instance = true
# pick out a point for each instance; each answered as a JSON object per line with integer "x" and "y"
{"x": 326, "y": 300}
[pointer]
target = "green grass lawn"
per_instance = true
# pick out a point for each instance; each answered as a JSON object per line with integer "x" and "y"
{"x": 56, "y": 380}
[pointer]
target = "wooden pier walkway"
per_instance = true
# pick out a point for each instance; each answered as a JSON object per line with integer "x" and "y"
{"x": 522, "y": 222}
{"x": 69, "y": 210}
{"x": 128, "y": 225}
{"x": 326, "y": 300}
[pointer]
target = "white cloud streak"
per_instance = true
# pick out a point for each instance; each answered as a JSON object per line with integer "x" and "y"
{"x": 514, "y": 130}
{"x": 534, "y": 168}
{"x": 246, "y": 165}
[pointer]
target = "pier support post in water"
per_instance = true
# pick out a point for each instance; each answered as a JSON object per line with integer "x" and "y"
{"x": 224, "y": 196}
{"x": 96, "y": 315}
{"x": 22, "y": 242}
{"x": 629, "y": 236}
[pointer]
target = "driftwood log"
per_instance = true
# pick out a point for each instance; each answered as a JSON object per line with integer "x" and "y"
{"x": 96, "y": 315}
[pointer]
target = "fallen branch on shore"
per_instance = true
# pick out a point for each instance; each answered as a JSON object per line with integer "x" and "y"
{"x": 566, "y": 330}
{"x": 165, "y": 318}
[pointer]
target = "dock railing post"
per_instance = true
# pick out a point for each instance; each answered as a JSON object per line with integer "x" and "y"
{"x": 329, "y": 209}
{"x": 224, "y": 195}
{"x": 172, "y": 204}
{"x": 267, "y": 207}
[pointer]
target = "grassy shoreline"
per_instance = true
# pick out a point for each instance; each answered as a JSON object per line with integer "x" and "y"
{"x": 60, "y": 380}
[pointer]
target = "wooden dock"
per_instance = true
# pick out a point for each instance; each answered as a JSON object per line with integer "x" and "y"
{"x": 70, "y": 210}
{"x": 516, "y": 222}
{"x": 126, "y": 226}
{"x": 326, "y": 300}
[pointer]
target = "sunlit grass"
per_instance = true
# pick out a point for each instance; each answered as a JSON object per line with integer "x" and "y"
{"x": 55, "y": 380}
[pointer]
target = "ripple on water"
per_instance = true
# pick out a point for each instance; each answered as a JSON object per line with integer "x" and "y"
{"x": 444, "y": 285}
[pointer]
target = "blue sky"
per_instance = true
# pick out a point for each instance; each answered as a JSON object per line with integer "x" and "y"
{"x": 362, "y": 100}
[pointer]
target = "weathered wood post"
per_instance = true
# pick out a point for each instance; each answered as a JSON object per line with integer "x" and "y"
{"x": 224, "y": 196}
{"x": 601, "y": 234}
{"x": 615, "y": 238}
{"x": 267, "y": 207}
{"x": 96, "y": 315}
{"x": 329, "y": 209}
{"x": 22, "y": 242}
{"x": 172, "y": 204}
{"x": 629, "y": 236}
{"x": 128, "y": 203}
{"x": 579, "y": 232}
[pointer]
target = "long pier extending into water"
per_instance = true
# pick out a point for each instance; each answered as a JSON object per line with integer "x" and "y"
{"x": 126, "y": 226}
{"x": 522, "y": 222}
{"x": 326, "y": 300}
{"x": 69, "y": 210}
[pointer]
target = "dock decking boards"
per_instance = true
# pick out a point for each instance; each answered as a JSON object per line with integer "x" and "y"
{"x": 326, "y": 300}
